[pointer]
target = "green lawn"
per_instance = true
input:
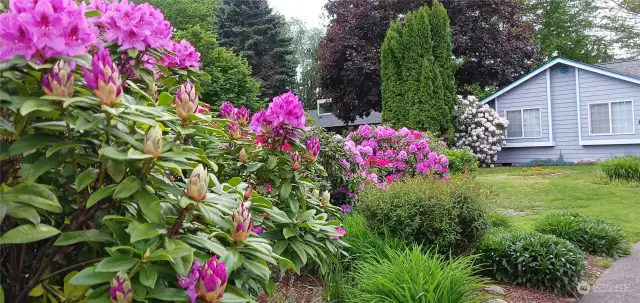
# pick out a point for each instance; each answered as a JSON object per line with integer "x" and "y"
{"x": 530, "y": 195}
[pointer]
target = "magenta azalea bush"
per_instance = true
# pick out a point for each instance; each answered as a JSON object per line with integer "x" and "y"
{"x": 118, "y": 185}
{"x": 381, "y": 155}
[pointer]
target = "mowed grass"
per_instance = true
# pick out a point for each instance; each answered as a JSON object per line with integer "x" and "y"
{"x": 535, "y": 192}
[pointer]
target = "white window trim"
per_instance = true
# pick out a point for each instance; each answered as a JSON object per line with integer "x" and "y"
{"x": 611, "y": 133}
{"x": 522, "y": 118}
{"x": 322, "y": 101}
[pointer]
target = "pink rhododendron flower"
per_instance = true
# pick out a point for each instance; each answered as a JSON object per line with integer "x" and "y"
{"x": 186, "y": 54}
{"x": 191, "y": 281}
{"x": 286, "y": 146}
{"x": 227, "y": 111}
{"x": 345, "y": 208}
{"x": 45, "y": 29}
{"x": 341, "y": 231}
{"x": 135, "y": 26}
{"x": 242, "y": 115}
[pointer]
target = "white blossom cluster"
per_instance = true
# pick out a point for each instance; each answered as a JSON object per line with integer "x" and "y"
{"x": 480, "y": 130}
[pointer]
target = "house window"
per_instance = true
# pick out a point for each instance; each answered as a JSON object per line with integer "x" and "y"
{"x": 324, "y": 107}
{"x": 524, "y": 123}
{"x": 611, "y": 118}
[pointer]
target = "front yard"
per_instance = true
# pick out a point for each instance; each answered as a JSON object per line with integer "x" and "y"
{"x": 527, "y": 194}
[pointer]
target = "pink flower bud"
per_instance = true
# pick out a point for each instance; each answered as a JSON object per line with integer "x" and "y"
{"x": 104, "y": 78}
{"x": 234, "y": 131}
{"x": 296, "y": 161}
{"x": 198, "y": 183}
{"x": 186, "y": 100}
{"x": 241, "y": 223}
{"x": 212, "y": 281}
{"x": 153, "y": 142}
{"x": 313, "y": 149}
{"x": 243, "y": 157}
{"x": 227, "y": 111}
{"x": 59, "y": 80}
{"x": 242, "y": 116}
{"x": 120, "y": 291}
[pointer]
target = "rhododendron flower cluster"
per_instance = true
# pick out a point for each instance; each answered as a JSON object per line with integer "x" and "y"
{"x": 285, "y": 113}
{"x": 44, "y": 29}
{"x": 133, "y": 26}
{"x": 382, "y": 154}
{"x": 479, "y": 130}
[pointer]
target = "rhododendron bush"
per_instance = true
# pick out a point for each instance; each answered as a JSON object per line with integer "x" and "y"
{"x": 119, "y": 186}
{"x": 381, "y": 155}
{"x": 479, "y": 130}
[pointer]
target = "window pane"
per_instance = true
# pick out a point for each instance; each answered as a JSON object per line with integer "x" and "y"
{"x": 532, "y": 123}
{"x": 622, "y": 117}
{"x": 514, "y": 130}
{"x": 599, "y": 118}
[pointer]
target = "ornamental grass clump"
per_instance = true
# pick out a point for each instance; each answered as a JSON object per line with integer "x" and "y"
{"x": 415, "y": 276}
{"x": 622, "y": 169}
{"x": 591, "y": 234}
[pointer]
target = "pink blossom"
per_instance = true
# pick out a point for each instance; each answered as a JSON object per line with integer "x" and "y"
{"x": 341, "y": 231}
{"x": 227, "y": 111}
{"x": 364, "y": 130}
{"x": 402, "y": 155}
{"x": 186, "y": 55}
{"x": 345, "y": 208}
{"x": 135, "y": 26}
{"x": 45, "y": 28}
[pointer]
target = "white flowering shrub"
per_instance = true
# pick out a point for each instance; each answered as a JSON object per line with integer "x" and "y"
{"x": 480, "y": 130}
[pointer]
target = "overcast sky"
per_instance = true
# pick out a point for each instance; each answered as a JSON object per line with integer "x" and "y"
{"x": 310, "y": 11}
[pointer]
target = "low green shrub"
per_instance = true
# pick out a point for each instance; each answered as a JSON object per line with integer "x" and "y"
{"x": 461, "y": 161}
{"x": 498, "y": 220}
{"x": 532, "y": 259}
{"x": 623, "y": 168}
{"x": 406, "y": 276}
{"x": 446, "y": 215}
{"x": 592, "y": 235}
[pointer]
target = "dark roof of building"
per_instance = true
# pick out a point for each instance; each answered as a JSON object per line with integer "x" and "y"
{"x": 329, "y": 120}
{"x": 630, "y": 68}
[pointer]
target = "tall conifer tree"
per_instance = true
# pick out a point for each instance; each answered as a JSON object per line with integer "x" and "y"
{"x": 252, "y": 29}
{"x": 418, "y": 72}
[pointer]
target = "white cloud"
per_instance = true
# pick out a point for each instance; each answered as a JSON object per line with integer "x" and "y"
{"x": 310, "y": 11}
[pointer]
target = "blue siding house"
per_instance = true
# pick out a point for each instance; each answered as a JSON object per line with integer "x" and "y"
{"x": 582, "y": 111}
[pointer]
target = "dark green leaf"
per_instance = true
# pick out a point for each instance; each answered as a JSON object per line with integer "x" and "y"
{"x": 43, "y": 165}
{"x": 31, "y": 142}
{"x": 86, "y": 177}
{"x": 112, "y": 153}
{"x": 116, "y": 263}
{"x": 146, "y": 231}
{"x": 127, "y": 187}
{"x": 168, "y": 294}
{"x": 38, "y": 104}
{"x": 36, "y": 195}
{"x": 101, "y": 194}
{"x": 18, "y": 210}
{"x": 285, "y": 190}
{"x": 62, "y": 145}
{"x": 116, "y": 169}
{"x": 91, "y": 235}
{"x": 251, "y": 167}
{"x": 272, "y": 162}
{"x": 150, "y": 206}
{"x": 28, "y": 233}
{"x": 89, "y": 276}
{"x": 289, "y": 232}
{"x": 148, "y": 276}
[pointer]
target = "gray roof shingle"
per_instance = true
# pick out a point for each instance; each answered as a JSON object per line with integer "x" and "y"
{"x": 630, "y": 68}
{"x": 329, "y": 120}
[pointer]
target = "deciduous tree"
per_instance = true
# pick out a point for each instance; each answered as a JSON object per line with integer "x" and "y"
{"x": 491, "y": 41}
